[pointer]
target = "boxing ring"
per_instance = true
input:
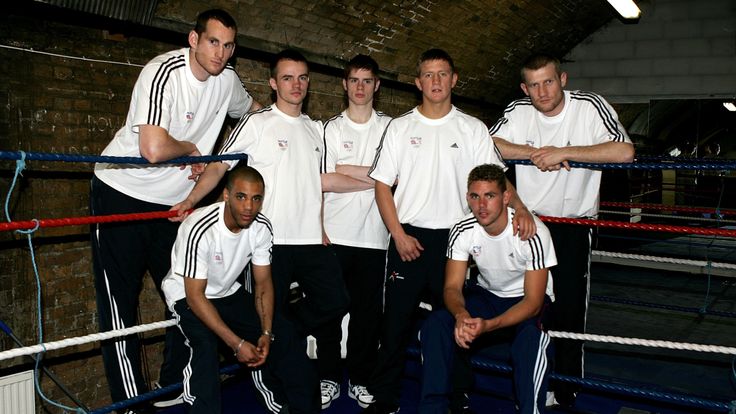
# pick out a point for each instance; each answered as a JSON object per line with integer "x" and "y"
{"x": 711, "y": 268}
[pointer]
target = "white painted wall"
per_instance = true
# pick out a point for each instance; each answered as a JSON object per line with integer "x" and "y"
{"x": 678, "y": 49}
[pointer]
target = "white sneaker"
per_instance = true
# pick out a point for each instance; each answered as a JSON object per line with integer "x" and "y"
{"x": 360, "y": 394}
{"x": 168, "y": 401}
{"x": 550, "y": 400}
{"x": 330, "y": 391}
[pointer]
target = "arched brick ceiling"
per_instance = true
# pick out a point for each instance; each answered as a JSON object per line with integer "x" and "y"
{"x": 488, "y": 39}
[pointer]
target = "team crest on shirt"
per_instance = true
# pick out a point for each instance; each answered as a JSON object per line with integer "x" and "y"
{"x": 475, "y": 251}
{"x": 189, "y": 116}
{"x": 415, "y": 141}
{"x": 347, "y": 146}
{"x": 283, "y": 143}
{"x": 217, "y": 257}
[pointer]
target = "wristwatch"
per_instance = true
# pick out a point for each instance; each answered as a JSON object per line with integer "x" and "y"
{"x": 269, "y": 334}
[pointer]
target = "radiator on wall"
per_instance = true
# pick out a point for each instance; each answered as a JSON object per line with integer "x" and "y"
{"x": 17, "y": 394}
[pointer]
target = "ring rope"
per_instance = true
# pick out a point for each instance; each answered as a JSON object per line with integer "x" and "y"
{"x": 47, "y": 156}
{"x": 658, "y": 259}
{"x": 72, "y": 221}
{"x": 165, "y": 214}
{"x": 640, "y": 226}
{"x": 19, "y": 166}
{"x": 637, "y": 165}
{"x": 80, "y": 340}
{"x": 488, "y": 364}
{"x": 700, "y": 311}
{"x": 652, "y": 343}
{"x": 664, "y": 207}
{"x": 50, "y": 346}
{"x": 668, "y": 216}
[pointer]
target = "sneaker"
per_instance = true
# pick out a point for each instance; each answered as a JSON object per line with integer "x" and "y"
{"x": 330, "y": 391}
{"x": 295, "y": 293}
{"x": 167, "y": 401}
{"x": 550, "y": 400}
{"x": 381, "y": 408}
{"x": 360, "y": 394}
{"x": 460, "y": 403}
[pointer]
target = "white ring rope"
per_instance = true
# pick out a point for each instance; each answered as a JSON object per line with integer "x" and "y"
{"x": 50, "y": 346}
{"x": 657, "y": 259}
{"x": 691, "y": 218}
{"x": 34, "y": 349}
{"x": 645, "y": 342}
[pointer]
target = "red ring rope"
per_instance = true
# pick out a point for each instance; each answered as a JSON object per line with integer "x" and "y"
{"x": 641, "y": 226}
{"x": 71, "y": 221}
{"x": 684, "y": 209}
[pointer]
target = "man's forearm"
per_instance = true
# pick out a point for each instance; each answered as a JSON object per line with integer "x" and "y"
{"x": 387, "y": 208}
{"x": 340, "y": 183}
{"x": 264, "y": 300}
{"x": 210, "y": 317}
{"x": 510, "y": 151}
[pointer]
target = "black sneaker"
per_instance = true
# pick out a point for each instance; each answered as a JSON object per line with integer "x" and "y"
{"x": 381, "y": 408}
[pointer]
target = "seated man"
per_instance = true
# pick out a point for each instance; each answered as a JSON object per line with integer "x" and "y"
{"x": 203, "y": 290}
{"x": 511, "y": 292}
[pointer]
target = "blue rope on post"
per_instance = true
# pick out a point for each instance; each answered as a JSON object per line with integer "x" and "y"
{"x": 230, "y": 369}
{"x": 483, "y": 363}
{"x": 45, "y": 156}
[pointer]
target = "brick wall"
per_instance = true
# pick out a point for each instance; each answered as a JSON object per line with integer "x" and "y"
{"x": 64, "y": 105}
{"x": 678, "y": 49}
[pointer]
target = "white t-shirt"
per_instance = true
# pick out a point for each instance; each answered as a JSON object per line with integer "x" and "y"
{"x": 352, "y": 219}
{"x": 504, "y": 259}
{"x": 287, "y": 151}
{"x": 168, "y": 95}
{"x": 586, "y": 119}
{"x": 431, "y": 158}
{"x": 206, "y": 249}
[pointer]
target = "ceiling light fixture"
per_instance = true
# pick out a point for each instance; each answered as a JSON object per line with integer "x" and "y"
{"x": 626, "y": 8}
{"x": 730, "y": 106}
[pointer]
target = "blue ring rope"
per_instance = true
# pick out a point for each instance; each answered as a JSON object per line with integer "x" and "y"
{"x": 698, "y": 164}
{"x": 46, "y": 156}
{"x": 685, "y": 400}
{"x": 609, "y": 299}
{"x": 153, "y": 394}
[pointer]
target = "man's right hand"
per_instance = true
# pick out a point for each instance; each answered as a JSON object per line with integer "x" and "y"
{"x": 249, "y": 355}
{"x": 182, "y": 209}
{"x": 408, "y": 247}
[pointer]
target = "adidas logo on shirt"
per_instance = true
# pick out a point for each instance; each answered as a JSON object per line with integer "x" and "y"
{"x": 454, "y": 145}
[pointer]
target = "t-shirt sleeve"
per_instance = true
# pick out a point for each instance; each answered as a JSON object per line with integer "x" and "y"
{"x": 605, "y": 123}
{"x": 263, "y": 242}
{"x": 153, "y": 99}
{"x": 330, "y": 140}
{"x": 190, "y": 253}
{"x": 458, "y": 243}
{"x": 384, "y": 167}
{"x": 242, "y": 139}
{"x": 241, "y": 101}
{"x": 506, "y": 126}
{"x": 486, "y": 151}
{"x": 538, "y": 249}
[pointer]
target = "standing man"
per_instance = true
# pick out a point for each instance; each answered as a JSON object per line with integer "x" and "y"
{"x": 430, "y": 150}
{"x": 551, "y": 127}
{"x": 354, "y": 228}
{"x": 177, "y": 109}
{"x": 286, "y": 147}
{"x": 509, "y": 297}
{"x": 213, "y": 247}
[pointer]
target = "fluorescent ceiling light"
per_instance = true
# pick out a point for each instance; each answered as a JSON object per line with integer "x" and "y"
{"x": 730, "y": 106}
{"x": 626, "y": 8}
